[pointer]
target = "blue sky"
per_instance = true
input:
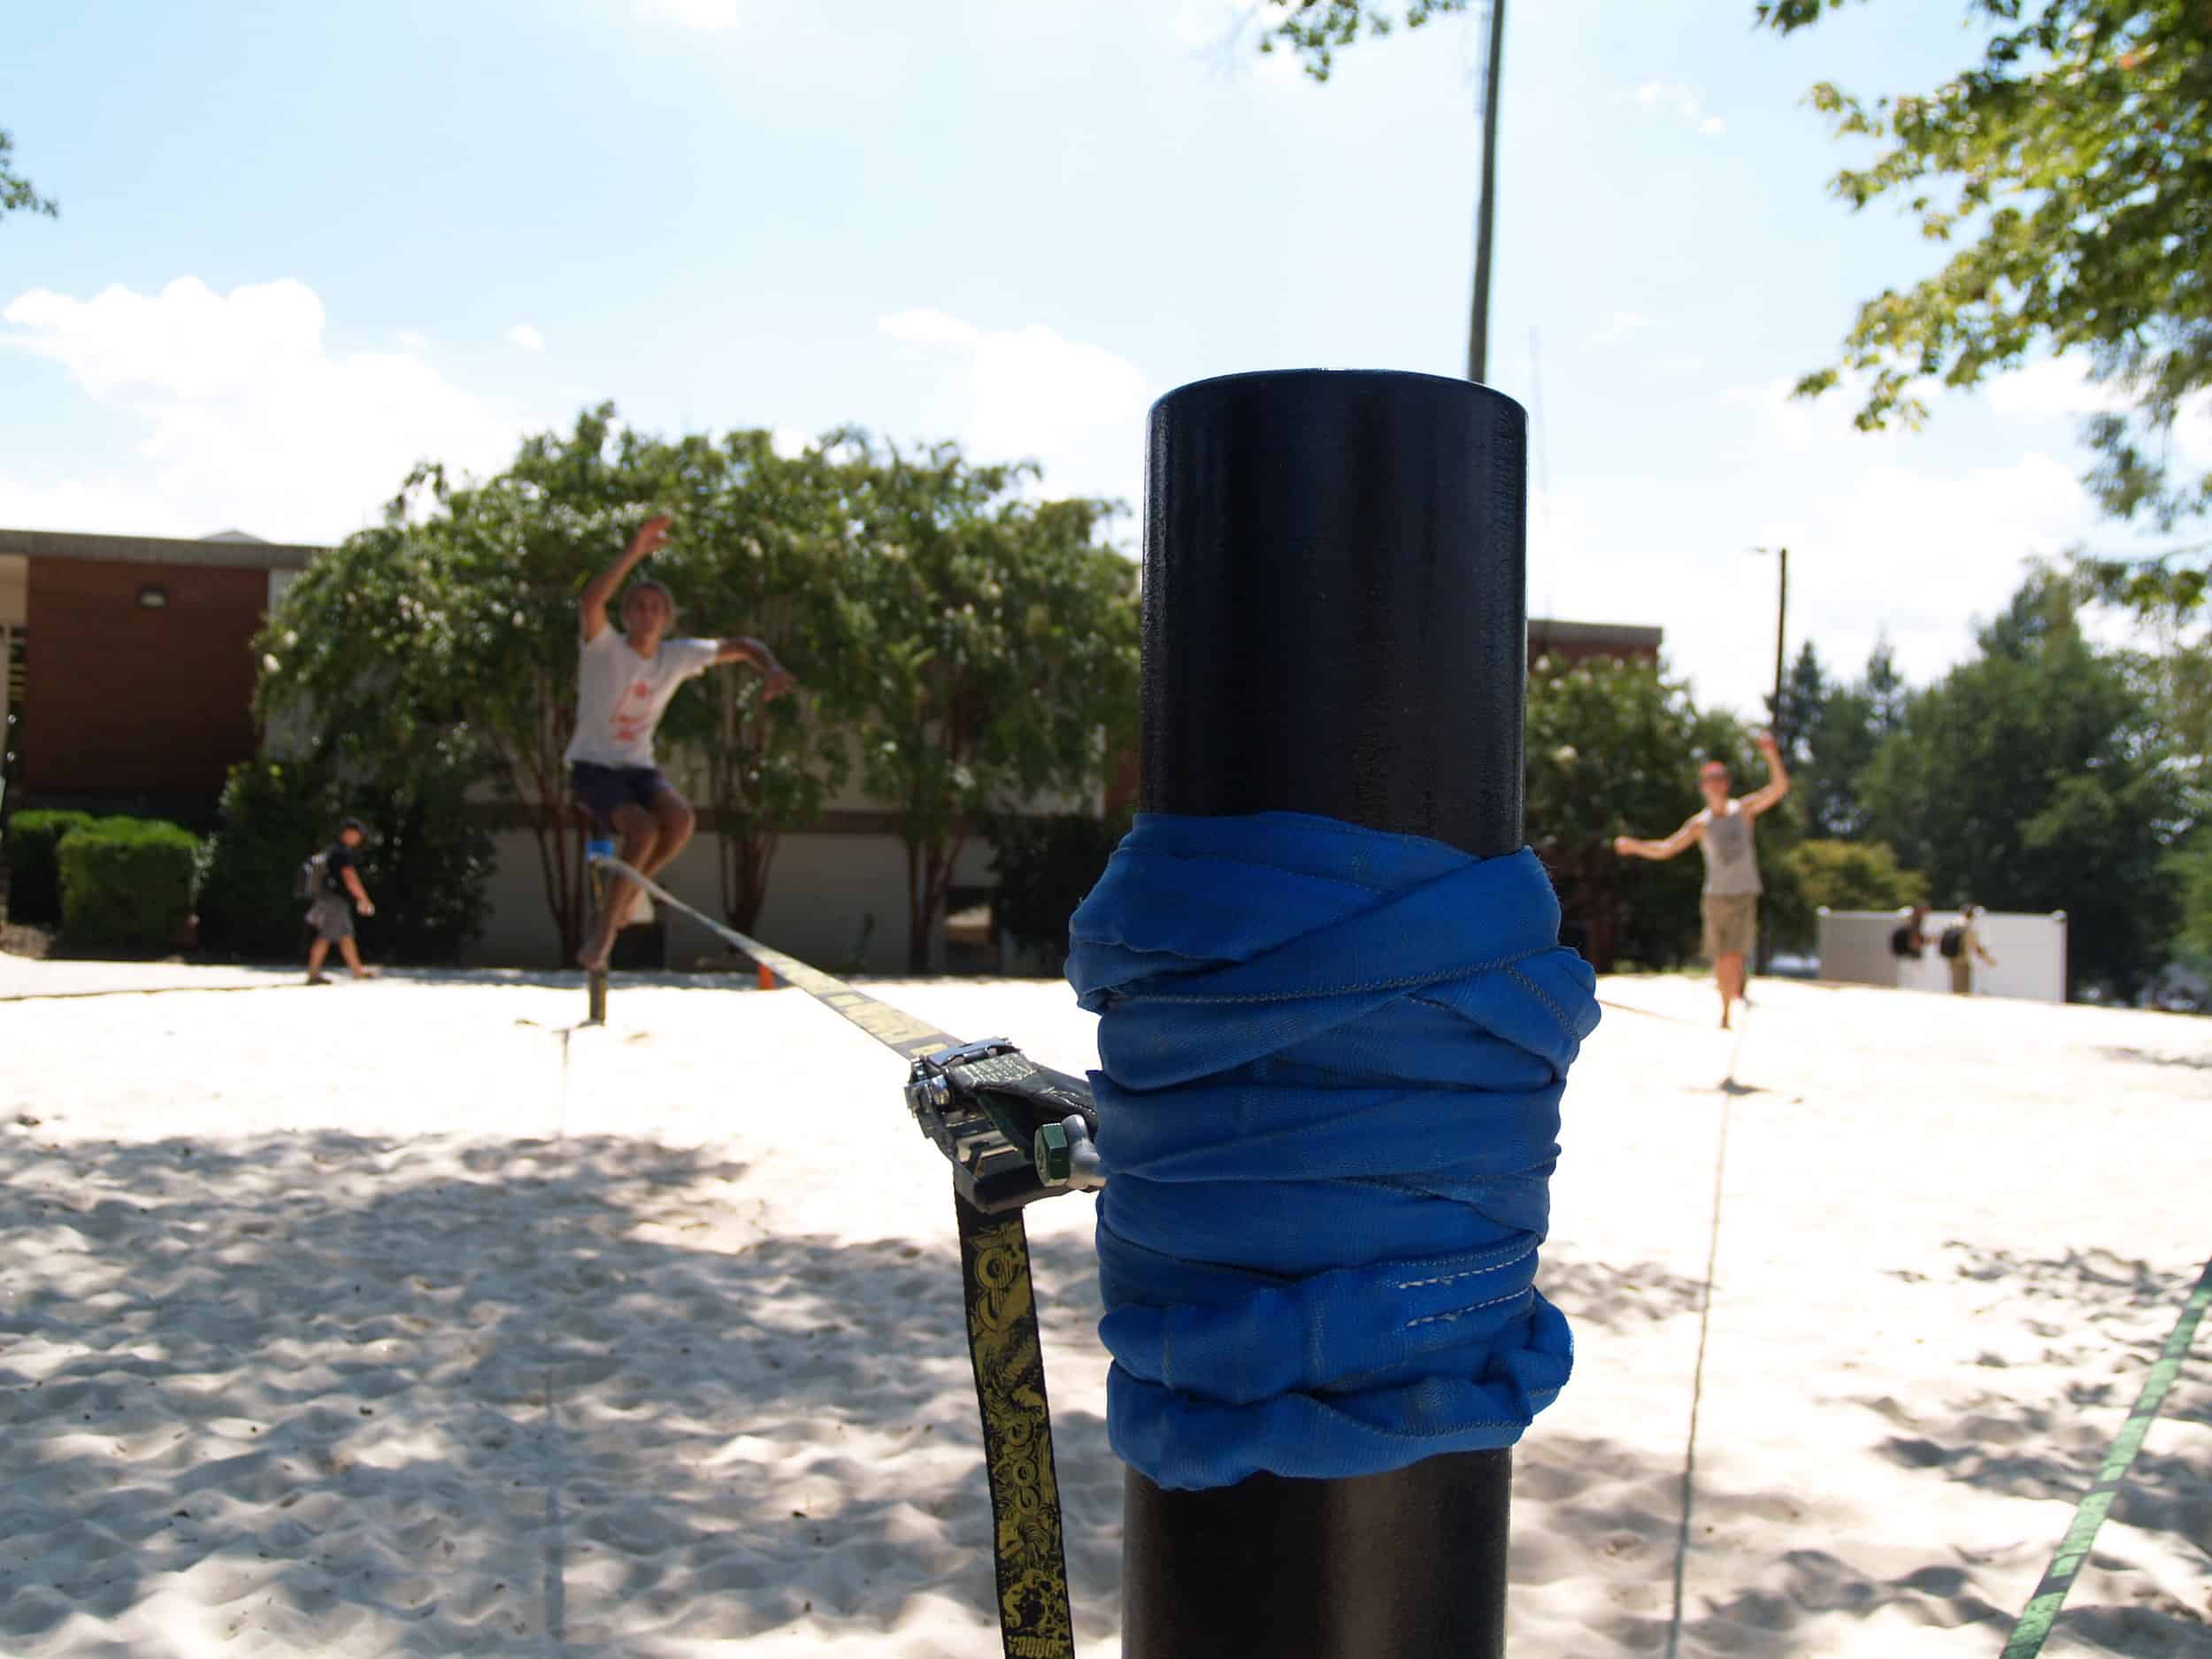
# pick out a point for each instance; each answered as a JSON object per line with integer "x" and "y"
{"x": 302, "y": 246}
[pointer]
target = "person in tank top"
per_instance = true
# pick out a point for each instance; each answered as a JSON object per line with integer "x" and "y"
{"x": 1722, "y": 834}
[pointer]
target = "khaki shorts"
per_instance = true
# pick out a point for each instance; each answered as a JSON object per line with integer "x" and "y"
{"x": 1731, "y": 925}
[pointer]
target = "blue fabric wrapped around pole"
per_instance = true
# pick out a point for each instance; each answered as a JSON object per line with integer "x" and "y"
{"x": 1329, "y": 1106}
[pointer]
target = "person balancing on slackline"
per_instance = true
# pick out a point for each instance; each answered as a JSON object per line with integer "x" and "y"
{"x": 1722, "y": 834}
{"x": 624, "y": 682}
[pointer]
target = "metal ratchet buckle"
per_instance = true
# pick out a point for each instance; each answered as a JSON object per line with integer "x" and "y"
{"x": 1015, "y": 1130}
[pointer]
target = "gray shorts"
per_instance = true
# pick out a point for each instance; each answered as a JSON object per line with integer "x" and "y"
{"x": 331, "y": 916}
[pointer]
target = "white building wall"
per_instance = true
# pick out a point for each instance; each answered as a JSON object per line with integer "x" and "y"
{"x": 821, "y": 890}
{"x": 2030, "y": 948}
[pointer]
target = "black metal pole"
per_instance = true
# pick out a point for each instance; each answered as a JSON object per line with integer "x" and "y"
{"x": 596, "y": 979}
{"x": 1485, "y": 207}
{"x": 1781, "y": 641}
{"x": 1334, "y": 622}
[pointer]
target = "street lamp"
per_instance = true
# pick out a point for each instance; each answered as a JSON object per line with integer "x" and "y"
{"x": 1781, "y": 624}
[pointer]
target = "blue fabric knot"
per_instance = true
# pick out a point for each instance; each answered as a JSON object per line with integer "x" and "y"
{"x": 1329, "y": 1105}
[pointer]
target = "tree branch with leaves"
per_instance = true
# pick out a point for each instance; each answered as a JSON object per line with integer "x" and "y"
{"x": 17, "y": 194}
{"x": 2070, "y": 171}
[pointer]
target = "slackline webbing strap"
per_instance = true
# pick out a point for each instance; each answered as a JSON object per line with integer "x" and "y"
{"x": 2034, "y": 1628}
{"x": 992, "y": 1179}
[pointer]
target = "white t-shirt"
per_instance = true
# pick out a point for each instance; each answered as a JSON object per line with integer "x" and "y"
{"x": 619, "y": 695}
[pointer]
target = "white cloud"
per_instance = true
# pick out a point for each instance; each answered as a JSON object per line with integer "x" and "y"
{"x": 240, "y": 413}
{"x": 2060, "y": 387}
{"x": 1078, "y": 409}
{"x": 1654, "y": 94}
{"x": 1883, "y": 541}
{"x": 528, "y": 338}
{"x": 713, "y": 16}
{"x": 1668, "y": 98}
{"x": 2051, "y": 387}
{"x": 789, "y": 443}
{"x": 1803, "y": 426}
{"x": 413, "y": 340}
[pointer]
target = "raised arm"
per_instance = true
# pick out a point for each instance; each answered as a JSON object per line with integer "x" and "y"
{"x": 1777, "y": 783}
{"x": 1681, "y": 841}
{"x": 592, "y": 605}
{"x": 744, "y": 648}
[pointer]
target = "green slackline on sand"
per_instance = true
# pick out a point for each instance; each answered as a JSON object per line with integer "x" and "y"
{"x": 2034, "y": 1628}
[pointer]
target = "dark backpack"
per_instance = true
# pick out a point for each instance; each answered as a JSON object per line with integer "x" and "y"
{"x": 1900, "y": 943}
{"x": 1953, "y": 941}
{"x": 308, "y": 882}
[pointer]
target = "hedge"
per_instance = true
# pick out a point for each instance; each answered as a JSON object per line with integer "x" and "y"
{"x": 427, "y": 863}
{"x": 34, "y": 877}
{"x": 275, "y": 813}
{"x": 1045, "y": 867}
{"x": 126, "y": 885}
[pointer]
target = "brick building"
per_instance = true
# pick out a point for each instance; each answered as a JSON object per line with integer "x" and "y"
{"x": 129, "y": 678}
{"x": 1575, "y": 642}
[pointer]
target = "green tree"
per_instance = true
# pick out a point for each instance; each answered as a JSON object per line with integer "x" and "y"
{"x": 1832, "y": 745}
{"x": 758, "y": 545}
{"x": 2035, "y": 778}
{"x": 2071, "y": 169}
{"x": 17, "y": 194}
{"x": 1841, "y": 875}
{"x": 426, "y": 862}
{"x": 988, "y": 648}
{"x": 1805, "y": 692}
{"x": 2190, "y": 867}
{"x": 1612, "y": 747}
{"x": 1885, "y": 689}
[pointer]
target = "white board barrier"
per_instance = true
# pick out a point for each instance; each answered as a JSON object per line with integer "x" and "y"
{"x": 2030, "y": 948}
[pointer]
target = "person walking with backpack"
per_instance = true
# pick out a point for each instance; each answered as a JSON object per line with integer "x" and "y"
{"x": 331, "y": 881}
{"x": 1960, "y": 943}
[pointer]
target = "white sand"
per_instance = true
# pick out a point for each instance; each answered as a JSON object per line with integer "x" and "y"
{"x": 400, "y": 1320}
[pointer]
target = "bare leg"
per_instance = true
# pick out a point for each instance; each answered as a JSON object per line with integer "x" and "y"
{"x": 316, "y": 955}
{"x": 641, "y": 836}
{"x": 673, "y": 820}
{"x": 352, "y": 952}
{"x": 1728, "y": 971}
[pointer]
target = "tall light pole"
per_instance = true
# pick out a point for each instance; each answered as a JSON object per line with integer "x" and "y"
{"x": 1781, "y": 629}
{"x": 1478, "y": 322}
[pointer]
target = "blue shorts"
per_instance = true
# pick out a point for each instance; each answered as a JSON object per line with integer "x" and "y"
{"x": 599, "y": 790}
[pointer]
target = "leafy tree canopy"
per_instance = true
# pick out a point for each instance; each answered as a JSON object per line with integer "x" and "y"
{"x": 17, "y": 194}
{"x": 1612, "y": 748}
{"x": 972, "y": 648}
{"x": 1842, "y": 875}
{"x": 1835, "y": 730}
{"x": 987, "y": 651}
{"x": 2069, "y": 169}
{"x": 1317, "y": 30}
{"x": 2036, "y": 778}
